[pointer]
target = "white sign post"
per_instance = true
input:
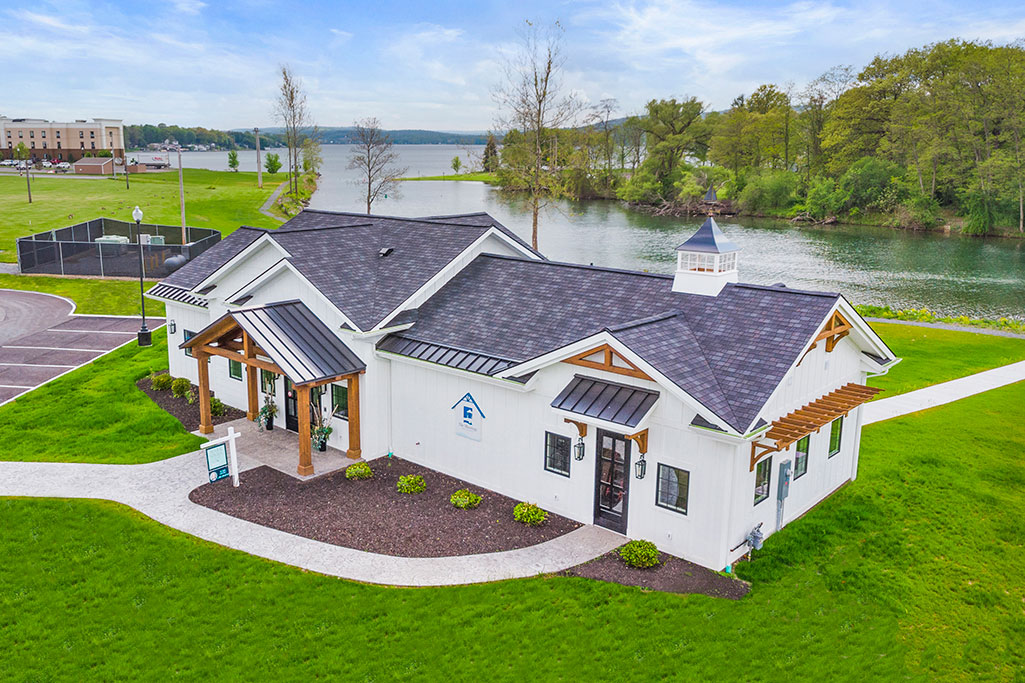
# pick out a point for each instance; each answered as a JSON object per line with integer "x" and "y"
{"x": 216, "y": 462}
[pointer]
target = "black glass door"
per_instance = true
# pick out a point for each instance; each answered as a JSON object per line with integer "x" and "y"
{"x": 291, "y": 407}
{"x": 611, "y": 481}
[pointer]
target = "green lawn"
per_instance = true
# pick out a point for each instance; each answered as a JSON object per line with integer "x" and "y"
{"x": 482, "y": 177}
{"x": 213, "y": 199}
{"x": 933, "y": 355}
{"x": 102, "y": 416}
{"x": 104, "y": 297}
{"x": 916, "y": 571}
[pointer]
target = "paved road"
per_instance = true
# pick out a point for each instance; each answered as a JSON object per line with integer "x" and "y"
{"x": 41, "y": 339}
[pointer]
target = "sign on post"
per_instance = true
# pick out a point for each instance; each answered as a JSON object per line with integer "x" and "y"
{"x": 221, "y": 458}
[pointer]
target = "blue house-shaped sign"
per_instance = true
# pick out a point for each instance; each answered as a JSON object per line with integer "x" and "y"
{"x": 469, "y": 417}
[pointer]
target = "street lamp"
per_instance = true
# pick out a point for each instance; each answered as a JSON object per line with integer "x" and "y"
{"x": 145, "y": 336}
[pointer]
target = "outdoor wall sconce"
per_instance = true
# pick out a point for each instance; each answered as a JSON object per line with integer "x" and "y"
{"x": 171, "y": 327}
{"x": 578, "y": 449}
{"x": 640, "y": 467}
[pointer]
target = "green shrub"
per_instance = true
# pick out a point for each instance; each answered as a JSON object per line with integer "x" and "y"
{"x": 180, "y": 387}
{"x": 216, "y": 407}
{"x": 639, "y": 554}
{"x": 162, "y": 382}
{"x": 358, "y": 470}
{"x": 772, "y": 191}
{"x": 411, "y": 483}
{"x": 825, "y": 199}
{"x": 464, "y": 499}
{"x": 869, "y": 184}
{"x": 529, "y": 514}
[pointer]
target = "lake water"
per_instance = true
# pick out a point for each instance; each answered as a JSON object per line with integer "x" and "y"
{"x": 949, "y": 274}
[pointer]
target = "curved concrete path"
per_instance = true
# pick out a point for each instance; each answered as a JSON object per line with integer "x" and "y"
{"x": 265, "y": 209}
{"x": 160, "y": 490}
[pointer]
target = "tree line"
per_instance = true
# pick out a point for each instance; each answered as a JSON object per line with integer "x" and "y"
{"x": 909, "y": 140}
{"x": 138, "y": 136}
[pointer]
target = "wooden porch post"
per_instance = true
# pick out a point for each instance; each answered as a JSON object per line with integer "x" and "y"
{"x": 305, "y": 456}
{"x": 206, "y": 425}
{"x": 251, "y": 377}
{"x": 354, "y": 451}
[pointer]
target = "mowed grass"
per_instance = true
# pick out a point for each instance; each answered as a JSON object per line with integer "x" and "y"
{"x": 931, "y": 356}
{"x": 481, "y": 177}
{"x": 93, "y": 296}
{"x": 213, "y": 199}
{"x": 96, "y": 414}
{"x": 915, "y": 571}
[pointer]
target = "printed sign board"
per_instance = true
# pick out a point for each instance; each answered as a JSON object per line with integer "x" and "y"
{"x": 469, "y": 418}
{"x": 217, "y": 461}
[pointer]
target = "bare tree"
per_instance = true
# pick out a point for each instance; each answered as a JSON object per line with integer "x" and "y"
{"x": 372, "y": 155}
{"x": 290, "y": 108}
{"x": 601, "y": 115}
{"x": 533, "y": 101}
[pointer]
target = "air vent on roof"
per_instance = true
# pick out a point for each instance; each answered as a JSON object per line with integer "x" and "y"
{"x": 385, "y": 251}
{"x": 207, "y": 290}
{"x": 780, "y": 284}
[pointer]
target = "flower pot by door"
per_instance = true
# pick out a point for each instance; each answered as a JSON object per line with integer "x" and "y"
{"x": 270, "y": 423}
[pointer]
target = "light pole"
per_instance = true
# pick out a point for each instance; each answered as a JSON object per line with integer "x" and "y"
{"x": 259, "y": 168}
{"x": 181, "y": 195}
{"x": 145, "y": 336}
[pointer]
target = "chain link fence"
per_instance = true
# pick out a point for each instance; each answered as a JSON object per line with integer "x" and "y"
{"x": 74, "y": 250}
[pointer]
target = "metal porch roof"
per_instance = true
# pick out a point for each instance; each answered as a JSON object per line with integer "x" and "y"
{"x": 609, "y": 401}
{"x": 296, "y": 340}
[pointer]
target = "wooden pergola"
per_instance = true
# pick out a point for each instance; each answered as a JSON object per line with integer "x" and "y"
{"x": 811, "y": 418}
{"x": 279, "y": 338}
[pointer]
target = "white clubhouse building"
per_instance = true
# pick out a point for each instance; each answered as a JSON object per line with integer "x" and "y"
{"x": 668, "y": 408}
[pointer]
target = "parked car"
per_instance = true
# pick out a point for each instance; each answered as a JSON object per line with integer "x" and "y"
{"x": 64, "y": 165}
{"x": 47, "y": 164}
{"x": 22, "y": 165}
{"x": 8, "y": 162}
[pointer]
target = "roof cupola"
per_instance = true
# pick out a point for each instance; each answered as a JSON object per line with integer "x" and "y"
{"x": 706, "y": 261}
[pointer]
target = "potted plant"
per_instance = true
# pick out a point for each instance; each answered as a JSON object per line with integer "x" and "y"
{"x": 321, "y": 430}
{"x": 267, "y": 413}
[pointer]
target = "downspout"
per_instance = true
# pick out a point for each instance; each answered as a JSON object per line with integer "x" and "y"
{"x": 857, "y": 438}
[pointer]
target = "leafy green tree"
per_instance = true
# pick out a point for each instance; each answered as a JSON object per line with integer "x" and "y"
{"x": 272, "y": 162}
{"x": 673, "y": 130}
{"x": 233, "y": 160}
{"x": 312, "y": 155}
{"x": 456, "y": 164}
{"x": 21, "y": 153}
{"x": 490, "y": 158}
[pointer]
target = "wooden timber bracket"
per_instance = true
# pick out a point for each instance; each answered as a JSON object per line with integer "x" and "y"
{"x": 641, "y": 439}
{"x": 581, "y": 427}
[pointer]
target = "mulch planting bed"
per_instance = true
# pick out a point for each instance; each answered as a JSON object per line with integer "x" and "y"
{"x": 672, "y": 575}
{"x": 371, "y": 515}
{"x": 187, "y": 414}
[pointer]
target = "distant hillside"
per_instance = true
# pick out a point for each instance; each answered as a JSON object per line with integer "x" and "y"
{"x": 344, "y": 135}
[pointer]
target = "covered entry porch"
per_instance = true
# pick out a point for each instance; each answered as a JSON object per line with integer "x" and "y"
{"x": 284, "y": 338}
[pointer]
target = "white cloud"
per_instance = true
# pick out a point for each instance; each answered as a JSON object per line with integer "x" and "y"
{"x": 188, "y": 6}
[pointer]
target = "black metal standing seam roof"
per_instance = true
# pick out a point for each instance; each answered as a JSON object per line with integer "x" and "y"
{"x": 444, "y": 355}
{"x": 172, "y": 293}
{"x": 709, "y": 239}
{"x": 609, "y": 401}
{"x": 298, "y": 342}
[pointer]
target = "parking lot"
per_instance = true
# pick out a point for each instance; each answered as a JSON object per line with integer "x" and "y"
{"x": 41, "y": 338}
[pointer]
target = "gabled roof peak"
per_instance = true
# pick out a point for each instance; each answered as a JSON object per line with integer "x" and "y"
{"x": 709, "y": 239}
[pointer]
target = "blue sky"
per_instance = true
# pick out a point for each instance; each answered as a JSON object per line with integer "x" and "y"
{"x": 434, "y": 64}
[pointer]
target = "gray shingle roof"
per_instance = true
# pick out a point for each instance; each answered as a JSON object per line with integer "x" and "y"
{"x": 729, "y": 352}
{"x": 340, "y": 254}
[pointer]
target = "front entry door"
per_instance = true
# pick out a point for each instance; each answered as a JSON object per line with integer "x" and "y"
{"x": 611, "y": 481}
{"x": 291, "y": 407}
